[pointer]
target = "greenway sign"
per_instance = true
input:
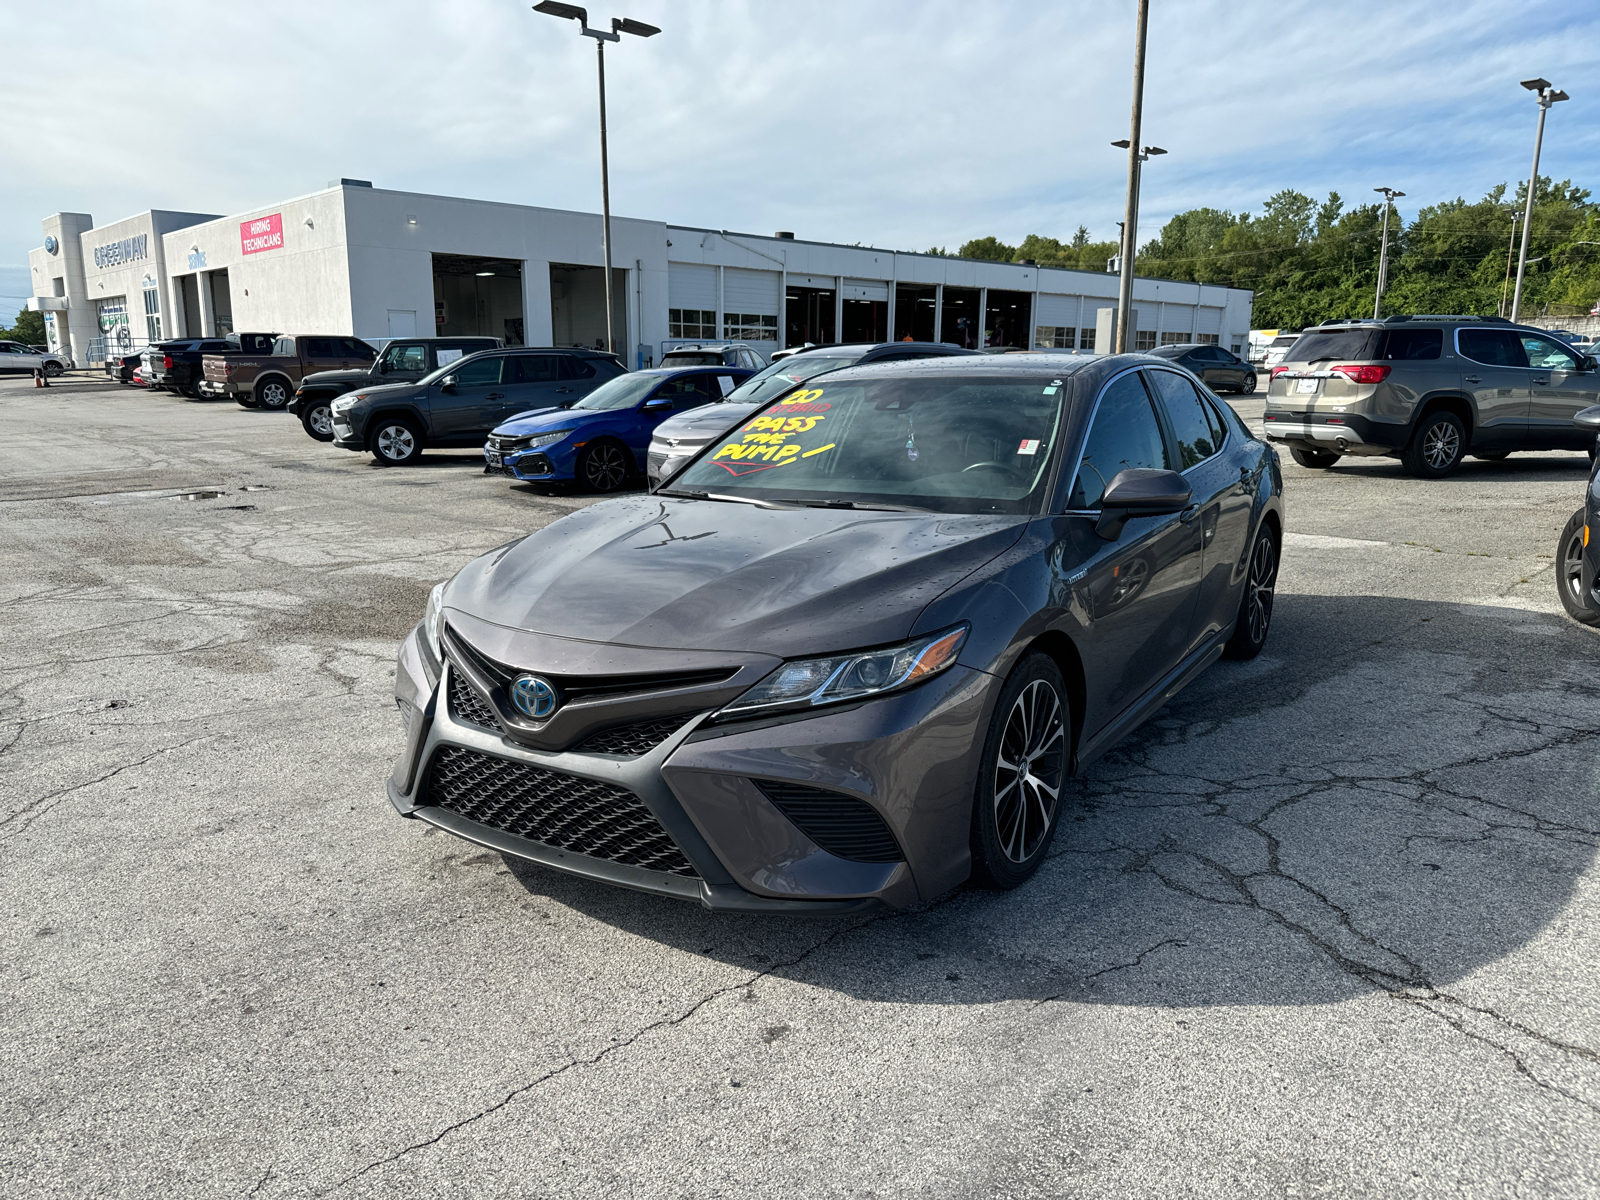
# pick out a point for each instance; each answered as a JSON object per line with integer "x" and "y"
{"x": 129, "y": 249}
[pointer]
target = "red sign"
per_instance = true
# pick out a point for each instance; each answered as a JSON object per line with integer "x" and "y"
{"x": 263, "y": 233}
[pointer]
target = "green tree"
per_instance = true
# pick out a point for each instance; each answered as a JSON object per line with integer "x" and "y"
{"x": 988, "y": 247}
{"x": 28, "y": 329}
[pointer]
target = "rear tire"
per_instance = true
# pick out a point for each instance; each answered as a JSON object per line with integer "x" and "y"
{"x": 1437, "y": 447}
{"x": 1249, "y": 384}
{"x": 245, "y": 399}
{"x": 1316, "y": 460}
{"x": 603, "y": 466}
{"x": 1017, "y": 805}
{"x": 395, "y": 442}
{"x": 1254, "y": 621}
{"x": 1569, "y": 571}
{"x": 272, "y": 394}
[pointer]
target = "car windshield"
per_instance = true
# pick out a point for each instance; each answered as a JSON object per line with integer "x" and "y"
{"x": 785, "y": 374}
{"x": 968, "y": 444}
{"x": 1341, "y": 344}
{"x": 622, "y": 392}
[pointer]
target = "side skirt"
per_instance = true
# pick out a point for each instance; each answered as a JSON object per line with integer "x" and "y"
{"x": 1142, "y": 709}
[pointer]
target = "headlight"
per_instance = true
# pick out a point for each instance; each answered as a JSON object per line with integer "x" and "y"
{"x": 432, "y": 623}
{"x": 346, "y": 403}
{"x": 811, "y": 682}
{"x": 547, "y": 439}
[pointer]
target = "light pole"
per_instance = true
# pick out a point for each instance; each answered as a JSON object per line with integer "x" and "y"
{"x": 1548, "y": 95}
{"x": 1130, "y": 224}
{"x": 1389, "y": 197}
{"x": 619, "y": 26}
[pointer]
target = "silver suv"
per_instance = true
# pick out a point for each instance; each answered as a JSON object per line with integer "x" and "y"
{"x": 1428, "y": 390}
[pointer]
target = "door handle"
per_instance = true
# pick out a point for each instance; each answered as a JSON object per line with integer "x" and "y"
{"x": 1188, "y": 515}
{"x": 1541, "y": 381}
{"x": 1472, "y": 379}
{"x": 563, "y": 391}
{"x": 495, "y": 396}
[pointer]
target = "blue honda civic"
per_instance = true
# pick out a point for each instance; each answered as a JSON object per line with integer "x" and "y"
{"x": 601, "y": 439}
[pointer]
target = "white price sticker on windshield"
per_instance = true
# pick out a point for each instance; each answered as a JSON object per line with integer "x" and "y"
{"x": 1029, "y": 446}
{"x": 725, "y": 382}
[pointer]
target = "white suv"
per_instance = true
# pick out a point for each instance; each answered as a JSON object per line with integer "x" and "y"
{"x": 18, "y": 359}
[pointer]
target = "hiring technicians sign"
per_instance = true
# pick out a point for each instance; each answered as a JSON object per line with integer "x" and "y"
{"x": 263, "y": 233}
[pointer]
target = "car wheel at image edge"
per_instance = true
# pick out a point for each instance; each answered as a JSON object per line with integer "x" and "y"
{"x": 603, "y": 467}
{"x": 1437, "y": 447}
{"x": 1316, "y": 460}
{"x": 1569, "y": 571}
{"x": 318, "y": 420}
{"x": 1017, "y": 805}
{"x": 396, "y": 442}
{"x": 1255, "y": 606}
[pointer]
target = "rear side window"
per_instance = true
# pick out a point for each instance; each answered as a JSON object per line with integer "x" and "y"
{"x": 1192, "y": 425}
{"x": 1346, "y": 345}
{"x": 355, "y": 348}
{"x": 1491, "y": 347}
{"x": 1124, "y": 435}
{"x": 283, "y": 347}
{"x": 576, "y": 368}
{"x": 537, "y": 368}
{"x": 321, "y": 348}
{"x": 1413, "y": 344}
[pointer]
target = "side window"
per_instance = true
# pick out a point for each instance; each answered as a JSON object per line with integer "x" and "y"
{"x": 408, "y": 358}
{"x": 1124, "y": 435}
{"x": 1492, "y": 347}
{"x": 1186, "y": 413}
{"x": 1547, "y": 355}
{"x": 1219, "y": 427}
{"x": 476, "y": 372}
{"x": 598, "y": 368}
{"x": 573, "y": 367}
{"x": 355, "y": 348}
{"x": 537, "y": 368}
{"x": 283, "y": 348}
{"x": 320, "y": 348}
{"x": 1413, "y": 344}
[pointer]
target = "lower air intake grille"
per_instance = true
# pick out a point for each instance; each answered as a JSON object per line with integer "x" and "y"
{"x": 840, "y": 824}
{"x": 582, "y": 816}
{"x": 467, "y": 704}
{"x": 639, "y": 738}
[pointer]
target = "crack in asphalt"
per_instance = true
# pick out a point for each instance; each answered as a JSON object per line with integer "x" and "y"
{"x": 22, "y": 819}
{"x": 262, "y": 1182}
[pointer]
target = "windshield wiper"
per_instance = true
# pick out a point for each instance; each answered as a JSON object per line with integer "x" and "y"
{"x": 722, "y": 496}
{"x": 866, "y": 507}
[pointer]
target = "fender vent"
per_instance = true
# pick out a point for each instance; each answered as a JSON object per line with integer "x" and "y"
{"x": 840, "y": 824}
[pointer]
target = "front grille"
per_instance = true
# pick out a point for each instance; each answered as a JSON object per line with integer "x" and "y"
{"x": 507, "y": 444}
{"x": 467, "y": 704}
{"x": 840, "y": 824}
{"x": 532, "y": 464}
{"x": 588, "y": 687}
{"x": 582, "y": 816}
{"x": 638, "y": 738}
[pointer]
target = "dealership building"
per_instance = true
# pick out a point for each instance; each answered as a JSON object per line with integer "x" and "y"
{"x": 355, "y": 259}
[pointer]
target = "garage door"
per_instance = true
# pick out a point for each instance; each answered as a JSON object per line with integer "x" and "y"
{"x": 690, "y": 285}
{"x": 866, "y": 289}
{"x": 750, "y": 306}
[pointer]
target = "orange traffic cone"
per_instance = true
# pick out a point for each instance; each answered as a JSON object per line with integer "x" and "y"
{"x": 38, "y": 377}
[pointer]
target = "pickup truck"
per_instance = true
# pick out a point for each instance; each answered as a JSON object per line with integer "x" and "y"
{"x": 258, "y": 380}
{"x": 404, "y": 360}
{"x": 176, "y": 365}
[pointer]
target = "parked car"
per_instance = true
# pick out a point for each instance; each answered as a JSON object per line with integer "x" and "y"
{"x": 1429, "y": 391}
{"x": 1217, "y": 369}
{"x": 1578, "y": 549}
{"x": 461, "y": 402}
{"x": 120, "y": 367}
{"x": 851, "y": 655}
{"x": 404, "y": 360}
{"x": 177, "y": 364}
{"x": 18, "y": 358}
{"x": 678, "y": 439}
{"x": 258, "y": 380}
{"x": 713, "y": 354}
{"x": 1277, "y": 348}
{"x": 601, "y": 440}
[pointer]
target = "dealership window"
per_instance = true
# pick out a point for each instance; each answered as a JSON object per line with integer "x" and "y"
{"x": 1144, "y": 339}
{"x": 1085, "y": 339}
{"x": 691, "y": 323}
{"x": 152, "y": 314}
{"x": 1053, "y": 337}
{"x": 1206, "y": 339}
{"x": 1238, "y": 349}
{"x": 1174, "y": 339}
{"x": 748, "y": 327}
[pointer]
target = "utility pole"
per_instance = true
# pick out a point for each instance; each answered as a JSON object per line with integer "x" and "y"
{"x": 1389, "y": 196}
{"x": 1130, "y": 224}
{"x": 1511, "y": 249}
{"x": 1548, "y": 95}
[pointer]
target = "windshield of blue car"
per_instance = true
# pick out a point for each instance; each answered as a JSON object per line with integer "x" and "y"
{"x": 784, "y": 375}
{"x": 968, "y": 444}
{"x": 624, "y": 391}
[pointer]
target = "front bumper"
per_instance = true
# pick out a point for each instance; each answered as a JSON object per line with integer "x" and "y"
{"x": 546, "y": 464}
{"x": 700, "y": 785}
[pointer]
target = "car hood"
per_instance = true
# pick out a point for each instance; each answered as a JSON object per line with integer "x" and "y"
{"x": 353, "y": 377}
{"x": 389, "y": 391}
{"x": 542, "y": 420}
{"x": 706, "y": 421}
{"x": 697, "y": 574}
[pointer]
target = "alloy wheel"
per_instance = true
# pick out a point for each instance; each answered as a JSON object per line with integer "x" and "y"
{"x": 1572, "y": 568}
{"x": 1441, "y": 445}
{"x": 320, "y": 419}
{"x": 603, "y": 469}
{"x": 1261, "y": 588}
{"x": 273, "y": 395}
{"x": 1028, "y": 771}
{"x": 396, "y": 443}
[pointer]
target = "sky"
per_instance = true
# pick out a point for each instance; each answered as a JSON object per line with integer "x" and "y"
{"x": 890, "y": 123}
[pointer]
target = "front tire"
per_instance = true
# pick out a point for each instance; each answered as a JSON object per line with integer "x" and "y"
{"x": 1315, "y": 460}
{"x": 1020, "y": 777}
{"x": 272, "y": 394}
{"x": 1569, "y": 571}
{"x": 395, "y": 442}
{"x": 603, "y": 467}
{"x": 52, "y": 370}
{"x": 1437, "y": 447}
{"x": 318, "y": 420}
{"x": 1254, "y": 621}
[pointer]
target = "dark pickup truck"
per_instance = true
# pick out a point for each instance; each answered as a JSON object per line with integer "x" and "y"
{"x": 404, "y": 360}
{"x": 177, "y": 364}
{"x": 268, "y": 380}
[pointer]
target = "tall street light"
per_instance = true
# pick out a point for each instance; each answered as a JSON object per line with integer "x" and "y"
{"x": 1130, "y": 222}
{"x": 619, "y": 26}
{"x": 1389, "y": 197}
{"x": 1548, "y": 95}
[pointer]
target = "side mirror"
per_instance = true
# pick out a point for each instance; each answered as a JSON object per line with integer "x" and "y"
{"x": 447, "y": 384}
{"x": 657, "y": 404}
{"x": 383, "y": 366}
{"x": 1588, "y": 418}
{"x": 1588, "y": 362}
{"x": 1140, "y": 492}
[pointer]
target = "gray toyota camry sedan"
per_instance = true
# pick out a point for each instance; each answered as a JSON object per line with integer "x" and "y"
{"x": 851, "y": 654}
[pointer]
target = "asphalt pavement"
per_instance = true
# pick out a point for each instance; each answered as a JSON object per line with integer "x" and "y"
{"x": 1327, "y": 927}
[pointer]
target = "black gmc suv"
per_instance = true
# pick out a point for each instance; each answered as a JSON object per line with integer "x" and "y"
{"x": 404, "y": 360}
